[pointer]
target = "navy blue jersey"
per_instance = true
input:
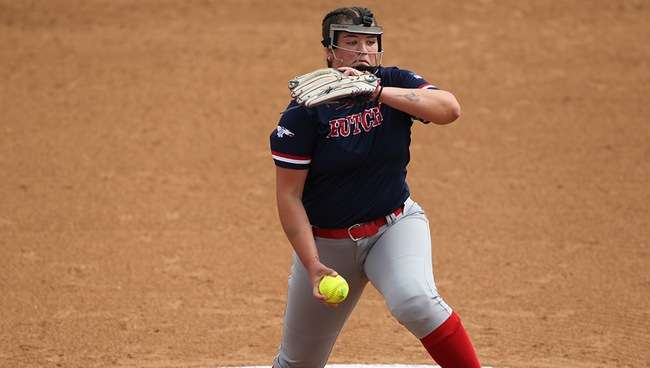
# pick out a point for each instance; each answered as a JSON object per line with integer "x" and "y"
{"x": 356, "y": 157}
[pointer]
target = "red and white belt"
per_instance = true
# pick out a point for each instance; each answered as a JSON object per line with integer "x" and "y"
{"x": 356, "y": 232}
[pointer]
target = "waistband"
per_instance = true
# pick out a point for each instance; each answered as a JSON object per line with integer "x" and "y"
{"x": 356, "y": 232}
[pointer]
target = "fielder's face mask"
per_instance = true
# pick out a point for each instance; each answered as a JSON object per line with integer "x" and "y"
{"x": 366, "y": 29}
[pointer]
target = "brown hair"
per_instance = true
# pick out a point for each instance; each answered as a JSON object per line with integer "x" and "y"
{"x": 350, "y": 15}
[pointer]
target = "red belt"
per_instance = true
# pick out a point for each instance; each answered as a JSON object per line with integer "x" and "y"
{"x": 356, "y": 232}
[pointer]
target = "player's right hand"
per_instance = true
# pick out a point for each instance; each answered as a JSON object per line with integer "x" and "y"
{"x": 316, "y": 272}
{"x": 346, "y": 70}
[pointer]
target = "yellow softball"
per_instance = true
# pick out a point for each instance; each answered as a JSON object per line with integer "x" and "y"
{"x": 334, "y": 289}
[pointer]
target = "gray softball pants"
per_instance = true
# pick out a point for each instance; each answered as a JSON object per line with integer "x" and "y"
{"x": 396, "y": 260}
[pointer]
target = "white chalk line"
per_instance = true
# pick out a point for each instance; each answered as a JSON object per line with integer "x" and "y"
{"x": 357, "y": 366}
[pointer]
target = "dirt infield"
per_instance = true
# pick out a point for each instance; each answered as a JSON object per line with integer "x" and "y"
{"x": 137, "y": 217}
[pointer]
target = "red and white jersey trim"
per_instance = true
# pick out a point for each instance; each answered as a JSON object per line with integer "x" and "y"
{"x": 292, "y": 159}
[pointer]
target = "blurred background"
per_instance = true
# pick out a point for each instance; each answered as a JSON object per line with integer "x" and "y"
{"x": 137, "y": 209}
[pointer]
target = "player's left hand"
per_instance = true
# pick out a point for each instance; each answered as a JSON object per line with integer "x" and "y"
{"x": 347, "y": 86}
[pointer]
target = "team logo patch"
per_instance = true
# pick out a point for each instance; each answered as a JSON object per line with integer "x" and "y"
{"x": 282, "y": 131}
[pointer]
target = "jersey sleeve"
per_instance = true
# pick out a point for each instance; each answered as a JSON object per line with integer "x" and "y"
{"x": 408, "y": 79}
{"x": 292, "y": 141}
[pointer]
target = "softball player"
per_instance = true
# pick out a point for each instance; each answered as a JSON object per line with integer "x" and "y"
{"x": 345, "y": 206}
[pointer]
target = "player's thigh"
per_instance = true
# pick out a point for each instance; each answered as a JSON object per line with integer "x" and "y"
{"x": 307, "y": 316}
{"x": 399, "y": 265}
{"x": 310, "y": 327}
{"x": 402, "y": 257}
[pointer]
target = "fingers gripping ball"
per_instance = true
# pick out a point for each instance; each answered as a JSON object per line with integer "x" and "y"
{"x": 334, "y": 289}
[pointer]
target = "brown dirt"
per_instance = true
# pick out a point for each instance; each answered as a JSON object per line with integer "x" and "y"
{"x": 137, "y": 218}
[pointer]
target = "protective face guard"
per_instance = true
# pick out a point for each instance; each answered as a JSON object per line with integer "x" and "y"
{"x": 356, "y": 28}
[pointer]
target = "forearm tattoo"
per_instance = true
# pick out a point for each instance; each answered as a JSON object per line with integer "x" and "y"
{"x": 411, "y": 96}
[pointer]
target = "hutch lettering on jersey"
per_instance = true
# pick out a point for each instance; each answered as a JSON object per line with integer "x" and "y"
{"x": 355, "y": 123}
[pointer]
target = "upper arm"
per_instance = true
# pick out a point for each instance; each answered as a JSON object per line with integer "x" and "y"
{"x": 289, "y": 182}
{"x": 441, "y": 105}
{"x": 407, "y": 79}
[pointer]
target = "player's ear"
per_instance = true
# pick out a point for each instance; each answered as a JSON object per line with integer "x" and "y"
{"x": 329, "y": 56}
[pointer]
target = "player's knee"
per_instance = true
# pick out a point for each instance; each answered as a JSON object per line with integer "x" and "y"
{"x": 420, "y": 313}
{"x": 412, "y": 308}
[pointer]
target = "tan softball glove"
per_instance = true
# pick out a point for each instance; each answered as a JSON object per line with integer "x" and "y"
{"x": 330, "y": 86}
